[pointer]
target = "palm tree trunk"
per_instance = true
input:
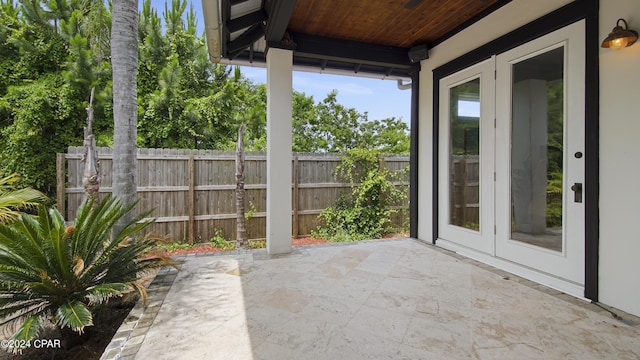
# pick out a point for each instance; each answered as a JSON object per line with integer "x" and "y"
{"x": 124, "y": 62}
{"x": 241, "y": 229}
{"x": 91, "y": 174}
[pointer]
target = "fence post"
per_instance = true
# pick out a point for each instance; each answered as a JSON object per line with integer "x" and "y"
{"x": 60, "y": 183}
{"x": 296, "y": 173}
{"x": 191, "y": 198}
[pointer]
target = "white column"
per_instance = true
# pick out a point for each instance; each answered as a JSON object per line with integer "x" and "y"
{"x": 279, "y": 154}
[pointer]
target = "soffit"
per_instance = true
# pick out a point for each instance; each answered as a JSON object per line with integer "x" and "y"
{"x": 358, "y": 36}
{"x": 384, "y": 22}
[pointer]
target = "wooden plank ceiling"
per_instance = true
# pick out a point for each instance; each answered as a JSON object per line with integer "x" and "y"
{"x": 372, "y": 36}
{"x": 384, "y": 22}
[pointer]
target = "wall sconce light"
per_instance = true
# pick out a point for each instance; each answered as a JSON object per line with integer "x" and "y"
{"x": 620, "y": 37}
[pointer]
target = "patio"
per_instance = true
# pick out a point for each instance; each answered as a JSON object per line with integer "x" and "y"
{"x": 384, "y": 299}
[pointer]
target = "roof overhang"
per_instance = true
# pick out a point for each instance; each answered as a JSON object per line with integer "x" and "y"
{"x": 370, "y": 38}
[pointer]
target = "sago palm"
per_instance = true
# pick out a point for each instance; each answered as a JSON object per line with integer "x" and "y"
{"x": 51, "y": 271}
{"x": 12, "y": 200}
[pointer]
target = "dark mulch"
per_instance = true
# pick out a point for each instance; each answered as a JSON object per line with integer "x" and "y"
{"x": 107, "y": 319}
{"x": 206, "y": 248}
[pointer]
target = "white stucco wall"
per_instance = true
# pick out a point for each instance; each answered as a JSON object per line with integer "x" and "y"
{"x": 619, "y": 138}
{"x": 620, "y": 162}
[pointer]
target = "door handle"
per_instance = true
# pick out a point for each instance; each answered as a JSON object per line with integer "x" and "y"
{"x": 577, "y": 192}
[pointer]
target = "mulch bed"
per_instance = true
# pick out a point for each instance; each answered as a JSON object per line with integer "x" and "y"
{"x": 206, "y": 248}
{"x": 90, "y": 345}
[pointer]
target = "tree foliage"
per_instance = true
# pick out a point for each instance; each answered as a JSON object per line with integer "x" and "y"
{"x": 329, "y": 126}
{"x": 53, "y": 52}
{"x": 49, "y": 50}
{"x": 186, "y": 101}
{"x": 555, "y": 139}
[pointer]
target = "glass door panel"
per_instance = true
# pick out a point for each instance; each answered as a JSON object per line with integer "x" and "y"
{"x": 464, "y": 155}
{"x": 466, "y": 163}
{"x": 537, "y": 127}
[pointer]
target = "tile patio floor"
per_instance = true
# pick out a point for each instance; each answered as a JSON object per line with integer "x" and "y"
{"x": 385, "y": 299}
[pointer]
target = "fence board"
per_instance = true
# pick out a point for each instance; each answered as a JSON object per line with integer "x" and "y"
{"x": 201, "y": 206}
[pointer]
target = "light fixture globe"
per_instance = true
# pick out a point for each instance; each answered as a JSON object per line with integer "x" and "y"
{"x": 620, "y": 37}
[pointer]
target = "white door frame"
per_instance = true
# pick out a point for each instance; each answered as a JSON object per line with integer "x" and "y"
{"x": 567, "y": 264}
{"x": 483, "y": 239}
{"x": 504, "y": 253}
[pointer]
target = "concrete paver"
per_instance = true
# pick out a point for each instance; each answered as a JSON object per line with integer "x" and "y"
{"x": 383, "y": 299}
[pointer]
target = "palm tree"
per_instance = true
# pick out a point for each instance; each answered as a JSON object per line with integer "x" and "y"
{"x": 12, "y": 200}
{"x": 124, "y": 63}
{"x": 241, "y": 228}
{"x": 49, "y": 271}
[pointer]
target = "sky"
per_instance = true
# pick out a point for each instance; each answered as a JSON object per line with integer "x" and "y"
{"x": 379, "y": 98}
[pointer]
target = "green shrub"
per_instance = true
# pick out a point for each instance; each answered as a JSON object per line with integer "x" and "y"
{"x": 174, "y": 246}
{"x": 365, "y": 212}
{"x": 49, "y": 271}
{"x": 220, "y": 242}
{"x": 257, "y": 244}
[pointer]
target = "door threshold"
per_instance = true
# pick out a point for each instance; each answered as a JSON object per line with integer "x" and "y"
{"x": 568, "y": 287}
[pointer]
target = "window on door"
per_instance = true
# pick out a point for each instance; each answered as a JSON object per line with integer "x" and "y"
{"x": 464, "y": 157}
{"x": 537, "y": 143}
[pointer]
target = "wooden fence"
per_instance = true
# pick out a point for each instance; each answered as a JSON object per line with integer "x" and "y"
{"x": 192, "y": 191}
{"x": 464, "y": 197}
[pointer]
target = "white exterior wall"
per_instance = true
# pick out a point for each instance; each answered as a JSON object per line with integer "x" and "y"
{"x": 620, "y": 162}
{"x": 619, "y": 138}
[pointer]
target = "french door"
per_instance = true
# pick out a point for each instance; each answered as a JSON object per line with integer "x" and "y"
{"x": 512, "y": 156}
{"x": 467, "y": 157}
